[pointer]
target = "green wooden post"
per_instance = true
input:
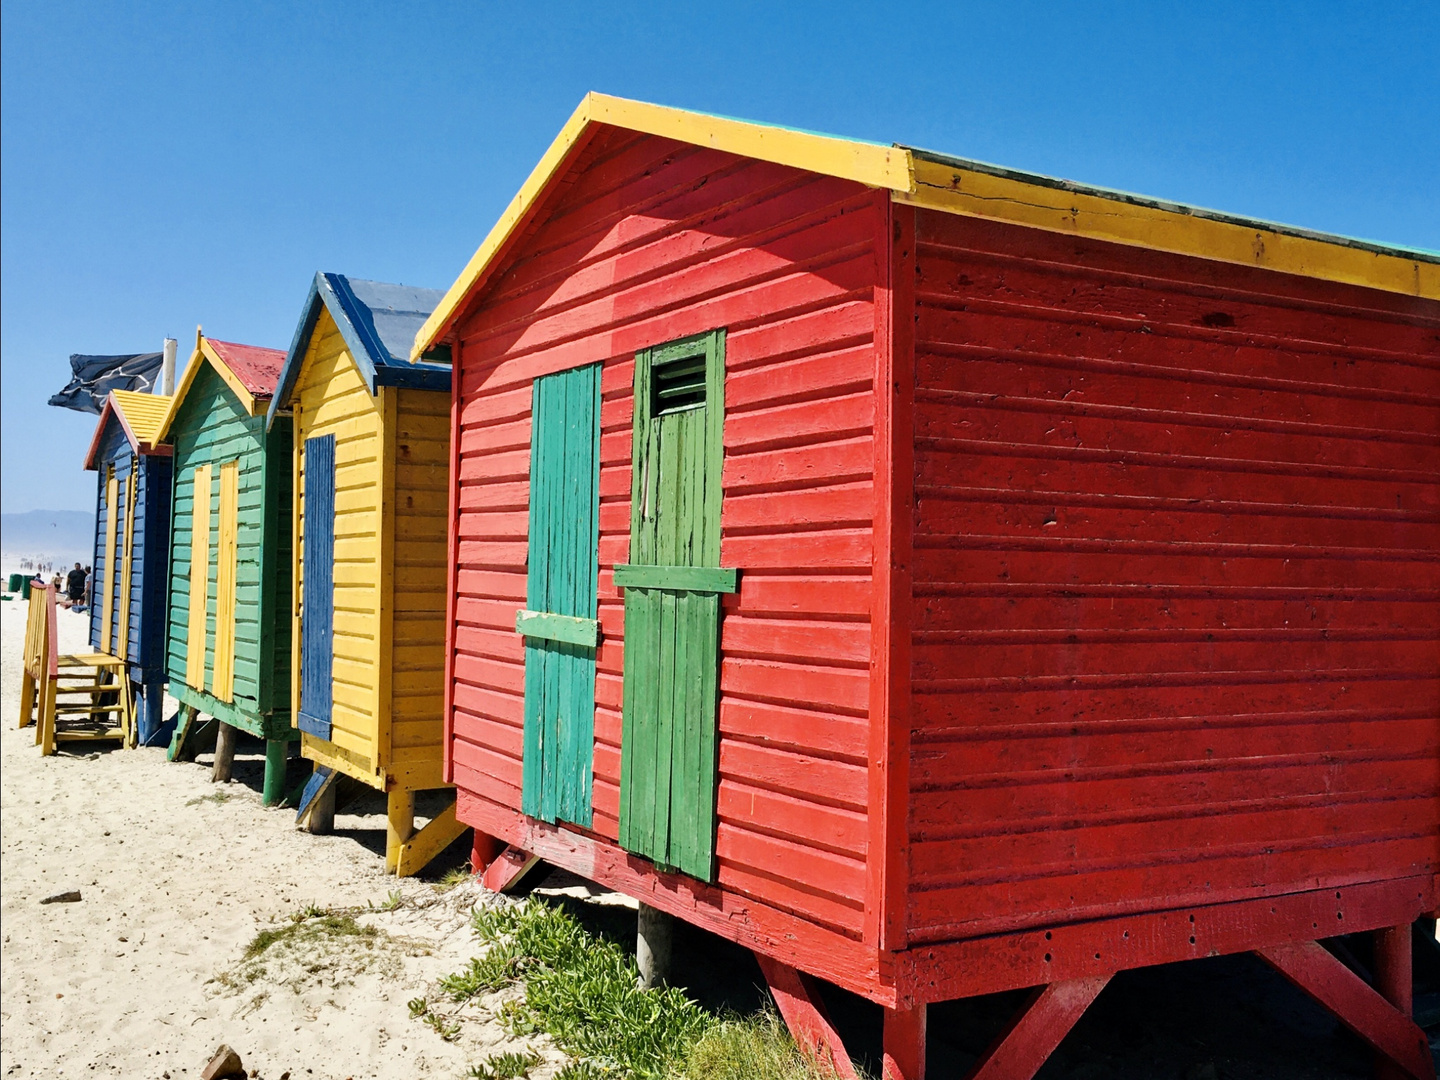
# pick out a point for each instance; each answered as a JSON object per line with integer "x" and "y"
{"x": 276, "y": 751}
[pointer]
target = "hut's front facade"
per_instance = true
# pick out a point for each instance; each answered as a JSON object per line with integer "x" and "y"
{"x": 372, "y": 447}
{"x": 228, "y": 653}
{"x": 132, "y": 545}
{"x": 945, "y": 580}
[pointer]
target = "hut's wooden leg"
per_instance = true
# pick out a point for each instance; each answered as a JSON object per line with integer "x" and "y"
{"x": 1363, "y": 1010}
{"x": 797, "y": 996}
{"x": 1037, "y": 1029}
{"x": 224, "y": 754}
{"x": 45, "y": 728}
{"x": 180, "y": 744}
{"x": 484, "y": 850}
{"x": 399, "y": 825}
{"x": 320, "y": 818}
{"x": 903, "y": 1057}
{"x": 1394, "y": 979}
{"x": 276, "y": 752}
{"x": 508, "y": 871}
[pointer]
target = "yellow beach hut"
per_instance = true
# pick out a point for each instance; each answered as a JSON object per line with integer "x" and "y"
{"x": 371, "y": 468}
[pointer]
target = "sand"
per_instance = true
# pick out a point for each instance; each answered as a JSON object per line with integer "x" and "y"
{"x": 145, "y": 976}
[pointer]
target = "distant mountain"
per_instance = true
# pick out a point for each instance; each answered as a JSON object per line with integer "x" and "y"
{"x": 55, "y": 535}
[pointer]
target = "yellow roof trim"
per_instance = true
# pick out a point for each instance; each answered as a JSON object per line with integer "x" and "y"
{"x": 958, "y": 187}
{"x": 144, "y": 413}
{"x": 953, "y": 188}
{"x": 205, "y": 353}
{"x": 872, "y": 164}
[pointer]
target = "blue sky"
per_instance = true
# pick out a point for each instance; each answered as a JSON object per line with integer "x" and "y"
{"x": 163, "y": 165}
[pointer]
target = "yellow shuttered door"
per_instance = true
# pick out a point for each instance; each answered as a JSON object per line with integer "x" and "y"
{"x": 199, "y": 578}
{"x": 107, "y": 606}
{"x": 223, "y": 676}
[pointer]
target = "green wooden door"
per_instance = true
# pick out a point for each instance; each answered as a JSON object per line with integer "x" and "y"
{"x": 672, "y": 606}
{"x": 560, "y": 621}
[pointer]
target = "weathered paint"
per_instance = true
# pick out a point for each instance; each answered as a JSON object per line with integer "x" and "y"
{"x": 1086, "y": 590}
{"x": 668, "y": 739}
{"x": 1174, "y": 631}
{"x": 560, "y": 625}
{"x": 315, "y": 696}
{"x": 218, "y": 436}
{"x": 384, "y": 518}
{"x": 657, "y": 242}
{"x": 128, "y": 619}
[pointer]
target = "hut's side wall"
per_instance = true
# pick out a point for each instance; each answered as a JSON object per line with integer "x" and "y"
{"x": 212, "y": 426}
{"x": 651, "y": 241}
{"x": 115, "y": 451}
{"x": 417, "y": 650}
{"x": 1176, "y": 636}
{"x": 331, "y": 398}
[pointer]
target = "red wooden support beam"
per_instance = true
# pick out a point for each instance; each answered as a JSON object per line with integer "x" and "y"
{"x": 797, "y": 996}
{"x": 1037, "y": 1029}
{"x": 1357, "y": 1006}
{"x": 904, "y": 1053}
{"x": 484, "y": 850}
{"x": 508, "y": 871}
{"x": 1394, "y": 980}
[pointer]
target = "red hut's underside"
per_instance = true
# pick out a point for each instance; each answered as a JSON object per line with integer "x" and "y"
{"x": 1132, "y": 560}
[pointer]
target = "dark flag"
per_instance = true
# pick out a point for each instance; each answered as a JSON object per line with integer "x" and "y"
{"x": 93, "y": 377}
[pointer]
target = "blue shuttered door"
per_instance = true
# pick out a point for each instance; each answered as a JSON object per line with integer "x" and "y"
{"x": 317, "y": 600}
{"x": 560, "y": 625}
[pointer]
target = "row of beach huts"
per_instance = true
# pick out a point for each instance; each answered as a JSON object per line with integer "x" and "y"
{"x": 936, "y": 578}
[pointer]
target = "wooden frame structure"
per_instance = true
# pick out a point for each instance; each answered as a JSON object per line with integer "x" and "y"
{"x": 228, "y": 643}
{"x": 368, "y": 542}
{"x": 1081, "y": 621}
{"x": 132, "y": 546}
{"x": 81, "y": 697}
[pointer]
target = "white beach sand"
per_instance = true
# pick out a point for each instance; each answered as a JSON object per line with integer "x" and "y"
{"x": 175, "y": 884}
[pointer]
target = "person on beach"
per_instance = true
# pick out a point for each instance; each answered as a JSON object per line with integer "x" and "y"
{"x": 75, "y": 585}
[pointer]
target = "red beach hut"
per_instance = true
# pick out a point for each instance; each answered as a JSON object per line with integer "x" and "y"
{"x": 942, "y": 579}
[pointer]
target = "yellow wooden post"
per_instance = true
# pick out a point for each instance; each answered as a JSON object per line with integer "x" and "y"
{"x": 223, "y": 674}
{"x": 199, "y": 578}
{"x": 399, "y": 825}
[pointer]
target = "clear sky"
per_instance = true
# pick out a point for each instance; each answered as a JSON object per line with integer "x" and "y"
{"x": 163, "y": 165}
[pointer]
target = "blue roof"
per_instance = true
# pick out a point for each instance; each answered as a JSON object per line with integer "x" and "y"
{"x": 378, "y": 323}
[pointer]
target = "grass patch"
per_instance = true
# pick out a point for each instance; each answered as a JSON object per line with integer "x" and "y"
{"x": 315, "y": 950}
{"x": 216, "y": 797}
{"x": 458, "y": 875}
{"x": 582, "y": 991}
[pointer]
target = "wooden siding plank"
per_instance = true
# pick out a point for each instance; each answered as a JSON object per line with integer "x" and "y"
{"x": 195, "y": 666}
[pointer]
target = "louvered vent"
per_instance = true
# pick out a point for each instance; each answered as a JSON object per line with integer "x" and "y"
{"x": 677, "y": 385}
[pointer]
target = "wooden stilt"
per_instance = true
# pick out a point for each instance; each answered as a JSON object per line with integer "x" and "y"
{"x": 320, "y": 815}
{"x": 797, "y": 997}
{"x": 1036, "y": 1030}
{"x": 484, "y": 849}
{"x": 1364, "y": 1011}
{"x": 276, "y": 752}
{"x": 654, "y": 933}
{"x": 179, "y": 744}
{"x": 399, "y": 825}
{"x": 224, "y": 755}
{"x": 438, "y": 834}
{"x": 509, "y": 870}
{"x": 903, "y": 1057}
{"x": 1395, "y": 981}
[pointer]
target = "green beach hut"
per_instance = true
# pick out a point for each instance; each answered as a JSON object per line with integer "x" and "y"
{"x": 228, "y": 645}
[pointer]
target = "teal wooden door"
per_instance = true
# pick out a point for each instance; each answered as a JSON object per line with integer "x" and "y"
{"x": 560, "y": 622}
{"x": 672, "y": 606}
